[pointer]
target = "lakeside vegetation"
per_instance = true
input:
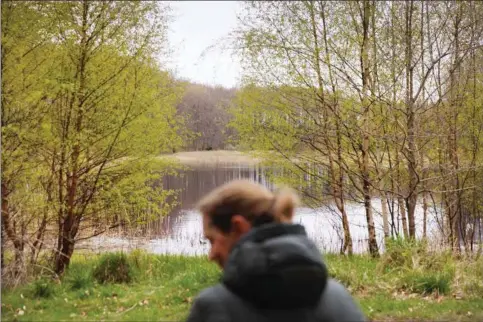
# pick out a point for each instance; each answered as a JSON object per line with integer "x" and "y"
{"x": 348, "y": 86}
{"x": 407, "y": 282}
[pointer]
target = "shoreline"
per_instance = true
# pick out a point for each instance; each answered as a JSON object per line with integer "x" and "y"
{"x": 213, "y": 157}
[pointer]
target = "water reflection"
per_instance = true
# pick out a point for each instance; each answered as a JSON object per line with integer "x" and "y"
{"x": 194, "y": 183}
{"x": 181, "y": 231}
{"x": 322, "y": 226}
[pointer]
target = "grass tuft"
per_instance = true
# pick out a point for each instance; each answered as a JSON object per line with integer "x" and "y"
{"x": 428, "y": 282}
{"x": 79, "y": 276}
{"x": 113, "y": 268}
{"x": 43, "y": 288}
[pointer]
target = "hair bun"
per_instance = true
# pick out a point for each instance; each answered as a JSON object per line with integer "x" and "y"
{"x": 284, "y": 205}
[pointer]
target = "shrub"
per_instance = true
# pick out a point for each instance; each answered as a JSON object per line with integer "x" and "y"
{"x": 78, "y": 277}
{"x": 113, "y": 268}
{"x": 470, "y": 277}
{"x": 43, "y": 288}
{"x": 402, "y": 254}
{"x": 416, "y": 269}
{"x": 428, "y": 282}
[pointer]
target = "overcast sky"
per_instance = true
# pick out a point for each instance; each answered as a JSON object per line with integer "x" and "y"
{"x": 196, "y": 26}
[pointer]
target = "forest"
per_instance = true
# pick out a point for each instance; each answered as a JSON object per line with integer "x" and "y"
{"x": 356, "y": 101}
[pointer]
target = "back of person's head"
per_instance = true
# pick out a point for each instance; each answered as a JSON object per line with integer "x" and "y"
{"x": 250, "y": 200}
{"x": 275, "y": 268}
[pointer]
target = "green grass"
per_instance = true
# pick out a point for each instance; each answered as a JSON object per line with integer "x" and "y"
{"x": 161, "y": 288}
{"x": 380, "y": 307}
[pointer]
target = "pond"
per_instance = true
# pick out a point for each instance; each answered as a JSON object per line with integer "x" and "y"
{"x": 181, "y": 231}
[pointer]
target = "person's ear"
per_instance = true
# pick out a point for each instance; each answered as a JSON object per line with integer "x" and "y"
{"x": 240, "y": 225}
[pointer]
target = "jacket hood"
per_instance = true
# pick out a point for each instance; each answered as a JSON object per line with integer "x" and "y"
{"x": 276, "y": 266}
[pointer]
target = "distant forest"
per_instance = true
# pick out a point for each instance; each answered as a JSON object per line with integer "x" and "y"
{"x": 205, "y": 109}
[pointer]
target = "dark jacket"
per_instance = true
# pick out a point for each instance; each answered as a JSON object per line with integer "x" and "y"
{"x": 275, "y": 273}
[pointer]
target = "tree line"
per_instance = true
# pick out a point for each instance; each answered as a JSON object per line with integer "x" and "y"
{"x": 206, "y": 110}
{"x": 384, "y": 96}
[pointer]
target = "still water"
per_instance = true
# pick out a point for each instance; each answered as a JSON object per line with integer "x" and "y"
{"x": 181, "y": 231}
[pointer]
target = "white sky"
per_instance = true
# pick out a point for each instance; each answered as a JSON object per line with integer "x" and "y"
{"x": 198, "y": 25}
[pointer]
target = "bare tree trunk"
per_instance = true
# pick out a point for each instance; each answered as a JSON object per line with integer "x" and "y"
{"x": 375, "y": 90}
{"x": 396, "y": 181}
{"x": 400, "y": 200}
{"x": 424, "y": 172}
{"x": 455, "y": 195}
{"x": 394, "y": 230}
{"x": 385, "y": 221}
{"x": 410, "y": 113}
{"x": 366, "y": 106}
{"x": 66, "y": 251}
{"x": 71, "y": 219}
{"x": 336, "y": 170}
{"x": 425, "y": 209}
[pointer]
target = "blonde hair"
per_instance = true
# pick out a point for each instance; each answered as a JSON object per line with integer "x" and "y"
{"x": 251, "y": 200}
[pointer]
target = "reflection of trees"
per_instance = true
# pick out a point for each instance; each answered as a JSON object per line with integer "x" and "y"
{"x": 194, "y": 183}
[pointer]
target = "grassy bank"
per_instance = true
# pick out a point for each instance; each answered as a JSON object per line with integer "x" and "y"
{"x": 403, "y": 284}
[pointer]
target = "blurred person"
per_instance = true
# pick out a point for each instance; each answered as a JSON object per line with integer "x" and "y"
{"x": 271, "y": 270}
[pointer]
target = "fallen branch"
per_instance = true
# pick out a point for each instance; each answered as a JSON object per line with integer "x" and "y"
{"x": 132, "y": 307}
